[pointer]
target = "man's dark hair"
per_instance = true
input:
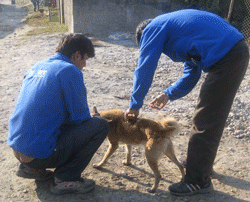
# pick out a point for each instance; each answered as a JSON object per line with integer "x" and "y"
{"x": 140, "y": 28}
{"x": 74, "y": 42}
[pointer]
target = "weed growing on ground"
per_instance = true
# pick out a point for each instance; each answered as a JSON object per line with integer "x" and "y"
{"x": 43, "y": 22}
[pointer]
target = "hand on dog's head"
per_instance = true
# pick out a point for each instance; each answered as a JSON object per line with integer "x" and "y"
{"x": 131, "y": 115}
{"x": 129, "y": 118}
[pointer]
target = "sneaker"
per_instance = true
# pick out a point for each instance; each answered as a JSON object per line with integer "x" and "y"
{"x": 72, "y": 187}
{"x": 30, "y": 173}
{"x": 187, "y": 189}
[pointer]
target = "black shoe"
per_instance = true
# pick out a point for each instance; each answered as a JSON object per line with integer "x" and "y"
{"x": 37, "y": 174}
{"x": 183, "y": 188}
{"x": 82, "y": 186}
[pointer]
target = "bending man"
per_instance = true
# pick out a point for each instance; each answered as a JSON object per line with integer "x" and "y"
{"x": 203, "y": 42}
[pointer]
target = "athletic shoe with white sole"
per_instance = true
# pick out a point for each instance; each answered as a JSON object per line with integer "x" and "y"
{"x": 183, "y": 188}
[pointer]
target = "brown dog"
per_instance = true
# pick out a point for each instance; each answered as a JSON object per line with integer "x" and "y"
{"x": 155, "y": 135}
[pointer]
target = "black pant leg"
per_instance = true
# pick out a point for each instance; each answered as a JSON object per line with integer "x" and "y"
{"x": 214, "y": 104}
{"x": 75, "y": 148}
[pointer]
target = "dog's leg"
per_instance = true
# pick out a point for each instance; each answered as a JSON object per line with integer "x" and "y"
{"x": 112, "y": 147}
{"x": 127, "y": 162}
{"x": 169, "y": 152}
{"x": 153, "y": 163}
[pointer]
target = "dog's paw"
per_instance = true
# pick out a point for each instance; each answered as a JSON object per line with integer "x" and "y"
{"x": 151, "y": 190}
{"x": 126, "y": 163}
{"x": 96, "y": 165}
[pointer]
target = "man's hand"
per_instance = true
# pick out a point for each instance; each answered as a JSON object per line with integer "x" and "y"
{"x": 160, "y": 102}
{"x": 131, "y": 115}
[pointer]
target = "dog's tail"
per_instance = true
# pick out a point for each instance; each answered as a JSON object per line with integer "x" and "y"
{"x": 170, "y": 121}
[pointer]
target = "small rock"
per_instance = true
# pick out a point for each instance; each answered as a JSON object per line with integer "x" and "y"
{"x": 232, "y": 149}
{"x": 123, "y": 174}
{"x": 240, "y": 136}
{"x": 120, "y": 184}
{"x": 238, "y": 132}
{"x": 25, "y": 191}
{"x": 135, "y": 155}
{"x": 141, "y": 162}
{"x": 229, "y": 129}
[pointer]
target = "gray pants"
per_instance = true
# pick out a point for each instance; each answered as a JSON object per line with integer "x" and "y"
{"x": 214, "y": 103}
{"x": 75, "y": 148}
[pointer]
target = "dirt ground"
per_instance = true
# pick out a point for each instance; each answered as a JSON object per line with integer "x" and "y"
{"x": 108, "y": 78}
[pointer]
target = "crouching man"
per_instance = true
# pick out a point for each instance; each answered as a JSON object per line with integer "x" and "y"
{"x": 51, "y": 126}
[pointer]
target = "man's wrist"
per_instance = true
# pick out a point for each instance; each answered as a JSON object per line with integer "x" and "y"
{"x": 165, "y": 96}
{"x": 133, "y": 110}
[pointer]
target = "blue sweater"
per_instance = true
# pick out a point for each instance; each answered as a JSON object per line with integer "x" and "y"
{"x": 197, "y": 34}
{"x": 52, "y": 94}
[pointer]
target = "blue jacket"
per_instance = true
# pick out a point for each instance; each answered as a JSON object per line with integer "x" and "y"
{"x": 200, "y": 35}
{"x": 52, "y": 94}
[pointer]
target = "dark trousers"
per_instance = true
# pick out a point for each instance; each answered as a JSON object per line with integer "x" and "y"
{"x": 214, "y": 103}
{"x": 75, "y": 148}
{"x": 36, "y": 4}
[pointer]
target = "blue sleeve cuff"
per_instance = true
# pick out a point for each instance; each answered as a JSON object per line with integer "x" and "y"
{"x": 191, "y": 75}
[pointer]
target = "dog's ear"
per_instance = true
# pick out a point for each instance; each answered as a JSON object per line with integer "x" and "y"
{"x": 95, "y": 110}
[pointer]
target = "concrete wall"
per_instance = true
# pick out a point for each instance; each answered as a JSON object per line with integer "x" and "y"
{"x": 103, "y": 17}
{"x": 66, "y": 13}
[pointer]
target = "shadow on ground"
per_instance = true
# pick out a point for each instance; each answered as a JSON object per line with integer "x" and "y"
{"x": 104, "y": 194}
{"x": 232, "y": 181}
